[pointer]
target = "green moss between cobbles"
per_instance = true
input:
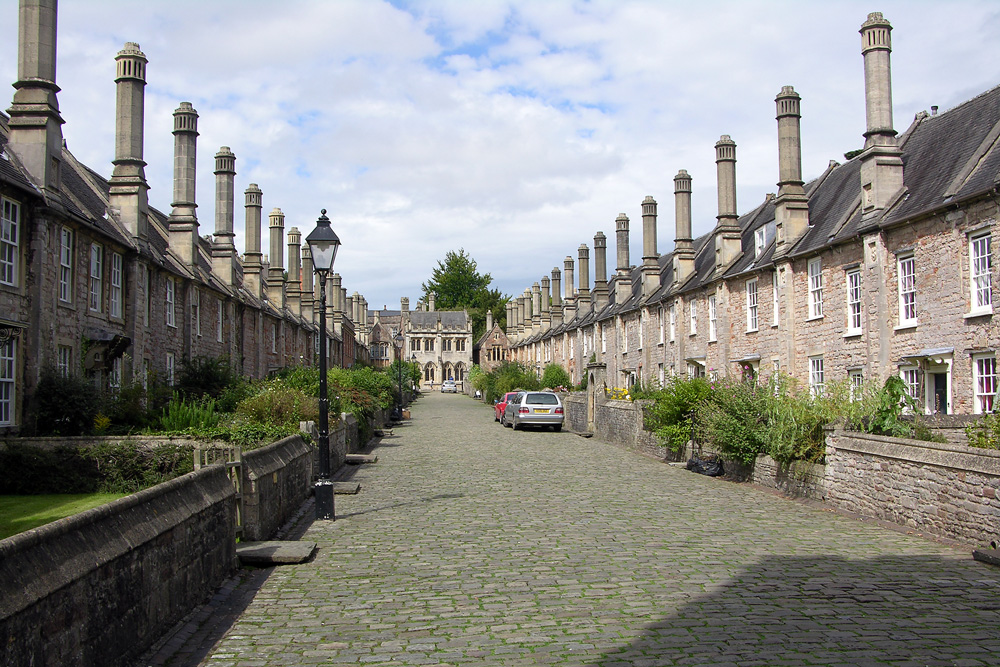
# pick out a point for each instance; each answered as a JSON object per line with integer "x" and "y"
{"x": 21, "y": 513}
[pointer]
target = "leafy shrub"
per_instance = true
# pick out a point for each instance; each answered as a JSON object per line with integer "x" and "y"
{"x": 731, "y": 419}
{"x": 508, "y": 376}
{"x": 886, "y": 418}
{"x": 126, "y": 468}
{"x": 555, "y": 376}
{"x": 31, "y": 470}
{"x": 670, "y": 413}
{"x": 984, "y": 433}
{"x": 182, "y": 414}
{"x": 204, "y": 376}
{"x": 793, "y": 421}
{"x": 64, "y": 406}
{"x": 279, "y": 404}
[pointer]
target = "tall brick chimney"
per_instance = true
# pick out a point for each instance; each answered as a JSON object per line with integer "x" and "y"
{"x": 623, "y": 284}
{"x": 791, "y": 213}
{"x": 650, "y": 254}
{"x": 128, "y": 191}
{"x": 728, "y": 244}
{"x": 183, "y": 220}
{"x": 223, "y": 246}
{"x": 683, "y": 243}
{"x": 35, "y": 124}
{"x": 881, "y": 161}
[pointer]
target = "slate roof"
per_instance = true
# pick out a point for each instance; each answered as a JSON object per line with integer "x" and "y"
{"x": 422, "y": 320}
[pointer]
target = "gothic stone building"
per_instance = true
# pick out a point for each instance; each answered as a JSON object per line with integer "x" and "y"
{"x": 95, "y": 280}
{"x": 881, "y": 266}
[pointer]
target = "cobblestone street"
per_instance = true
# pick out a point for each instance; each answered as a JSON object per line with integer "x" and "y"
{"x": 471, "y": 544}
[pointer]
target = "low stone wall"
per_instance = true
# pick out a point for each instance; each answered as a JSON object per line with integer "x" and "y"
{"x": 621, "y": 422}
{"x": 100, "y": 587}
{"x": 575, "y": 409}
{"x": 84, "y": 441}
{"x": 798, "y": 479}
{"x": 277, "y": 479}
{"x": 950, "y": 490}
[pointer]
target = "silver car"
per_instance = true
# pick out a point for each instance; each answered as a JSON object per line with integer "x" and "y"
{"x": 449, "y": 387}
{"x": 534, "y": 408}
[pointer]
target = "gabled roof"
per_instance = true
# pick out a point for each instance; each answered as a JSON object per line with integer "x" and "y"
{"x": 423, "y": 320}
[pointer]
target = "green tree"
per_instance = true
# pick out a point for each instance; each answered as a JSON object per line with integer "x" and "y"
{"x": 458, "y": 285}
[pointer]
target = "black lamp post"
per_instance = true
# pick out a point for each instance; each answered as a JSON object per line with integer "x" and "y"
{"x": 323, "y": 244}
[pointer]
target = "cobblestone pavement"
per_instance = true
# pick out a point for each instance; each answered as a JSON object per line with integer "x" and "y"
{"x": 471, "y": 544}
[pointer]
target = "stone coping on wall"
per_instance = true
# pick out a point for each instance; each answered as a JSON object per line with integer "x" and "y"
{"x": 945, "y": 455}
{"x": 273, "y": 457}
{"x": 64, "y": 551}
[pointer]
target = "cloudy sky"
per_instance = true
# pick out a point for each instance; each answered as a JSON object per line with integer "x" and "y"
{"x": 515, "y": 130}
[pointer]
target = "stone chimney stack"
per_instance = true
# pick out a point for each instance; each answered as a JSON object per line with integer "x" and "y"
{"x": 881, "y": 162}
{"x": 521, "y": 313}
{"x": 728, "y": 243}
{"x": 276, "y": 272}
{"x": 128, "y": 191}
{"x": 430, "y": 302}
{"x": 791, "y": 212}
{"x": 546, "y": 304}
{"x": 557, "y": 307}
{"x": 569, "y": 296}
{"x": 510, "y": 318}
{"x": 489, "y": 320}
{"x": 252, "y": 256}
{"x": 683, "y": 244}
{"x": 35, "y": 124}
{"x": 223, "y": 247}
{"x": 600, "y": 293}
{"x": 294, "y": 284}
{"x": 650, "y": 254}
{"x": 536, "y": 307}
{"x": 623, "y": 286}
{"x": 583, "y": 291}
{"x": 306, "y": 295}
{"x": 334, "y": 295}
{"x": 183, "y": 220}
{"x": 404, "y": 304}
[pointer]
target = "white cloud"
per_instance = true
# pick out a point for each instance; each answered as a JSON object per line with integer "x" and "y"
{"x": 515, "y": 130}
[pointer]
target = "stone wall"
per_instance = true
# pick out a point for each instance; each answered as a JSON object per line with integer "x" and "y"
{"x": 621, "y": 422}
{"x": 575, "y": 409}
{"x": 277, "y": 479}
{"x": 100, "y": 587}
{"x": 798, "y": 479}
{"x": 950, "y": 490}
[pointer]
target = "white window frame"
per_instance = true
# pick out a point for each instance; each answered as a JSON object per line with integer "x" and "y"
{"x": 641, "y": 318}
{"x": 855, "y": 308}
{"x": 981, "y": 273}
{"x": 66, "y": 264}
{"x": 64, "y": 360}
{"x": 776, "y": 311}
{"x": 984, "y": 385}
{"x": 96, "y": 277}
{"x": 817, "y": 377}
{"x": 815, "y": 273}
{"x": 906, "y": 282}
{"x": 673, "y": 321}
{"x": 660, "y": 322}
{"x": 171, "y": 302}
{"x": 604, "y": 340}
{"x": 8, "y": 381}
{"x": 115, "y": 291}
{"x": 912, "y": 381}
{"x": 693, "y": 317}
{"x": 712, "y": 331}
{"x": 10, "y": 242}
{"x": 115, "y": 376}
{"x": 196, "y": 314}
{"x": 752, "y": 314}
{"x": 170, "y": 369}
{"x": 572, "y": 346}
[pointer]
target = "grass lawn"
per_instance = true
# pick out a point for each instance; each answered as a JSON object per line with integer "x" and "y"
{"x": 21, "y": 513}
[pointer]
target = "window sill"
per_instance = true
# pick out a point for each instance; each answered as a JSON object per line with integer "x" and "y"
{"x": 986, "y": 312}
{"x": 813, "y": 318}
{"x": 854, "y": 334}
{"x": 713, "y": 341}
{"x": 906, "y": 326}
{"x": 749, "y": 331}
{"x": 774, "y": 326}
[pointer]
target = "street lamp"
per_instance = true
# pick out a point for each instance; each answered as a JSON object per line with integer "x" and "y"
{"x": 399, "y": 340}
{"x": 323, "y": 244}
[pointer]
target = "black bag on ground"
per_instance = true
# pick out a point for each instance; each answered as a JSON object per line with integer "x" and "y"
{"x": 710, "y": 467}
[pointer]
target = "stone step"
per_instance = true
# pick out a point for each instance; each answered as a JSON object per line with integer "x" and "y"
{"x": 346, "y": 488}
{"x": 358, "y": 459}
{"x": 263, "y": 554}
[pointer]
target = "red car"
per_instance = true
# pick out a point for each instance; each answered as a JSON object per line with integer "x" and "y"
{"x": 499, "y": 406}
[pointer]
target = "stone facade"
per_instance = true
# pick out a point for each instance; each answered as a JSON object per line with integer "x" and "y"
{"x": 883, "y": 265}
{"x": 94, "y": 280}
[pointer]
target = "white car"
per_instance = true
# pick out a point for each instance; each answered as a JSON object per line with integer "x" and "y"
{"x": 449, "y": 387}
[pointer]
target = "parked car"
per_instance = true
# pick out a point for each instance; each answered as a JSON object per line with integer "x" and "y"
{"x": 500, "y": 405}
{"x": 534, "y": 408}
{"x": 449, "y": 387}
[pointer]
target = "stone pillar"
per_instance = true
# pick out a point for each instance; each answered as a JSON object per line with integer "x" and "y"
{"x": 183, "y": 220}
{"x": 128, "y": 191}
{"x": 683, "y": 243}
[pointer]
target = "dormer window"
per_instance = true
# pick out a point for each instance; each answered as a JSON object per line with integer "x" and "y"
{"x": 759, "y": 241}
